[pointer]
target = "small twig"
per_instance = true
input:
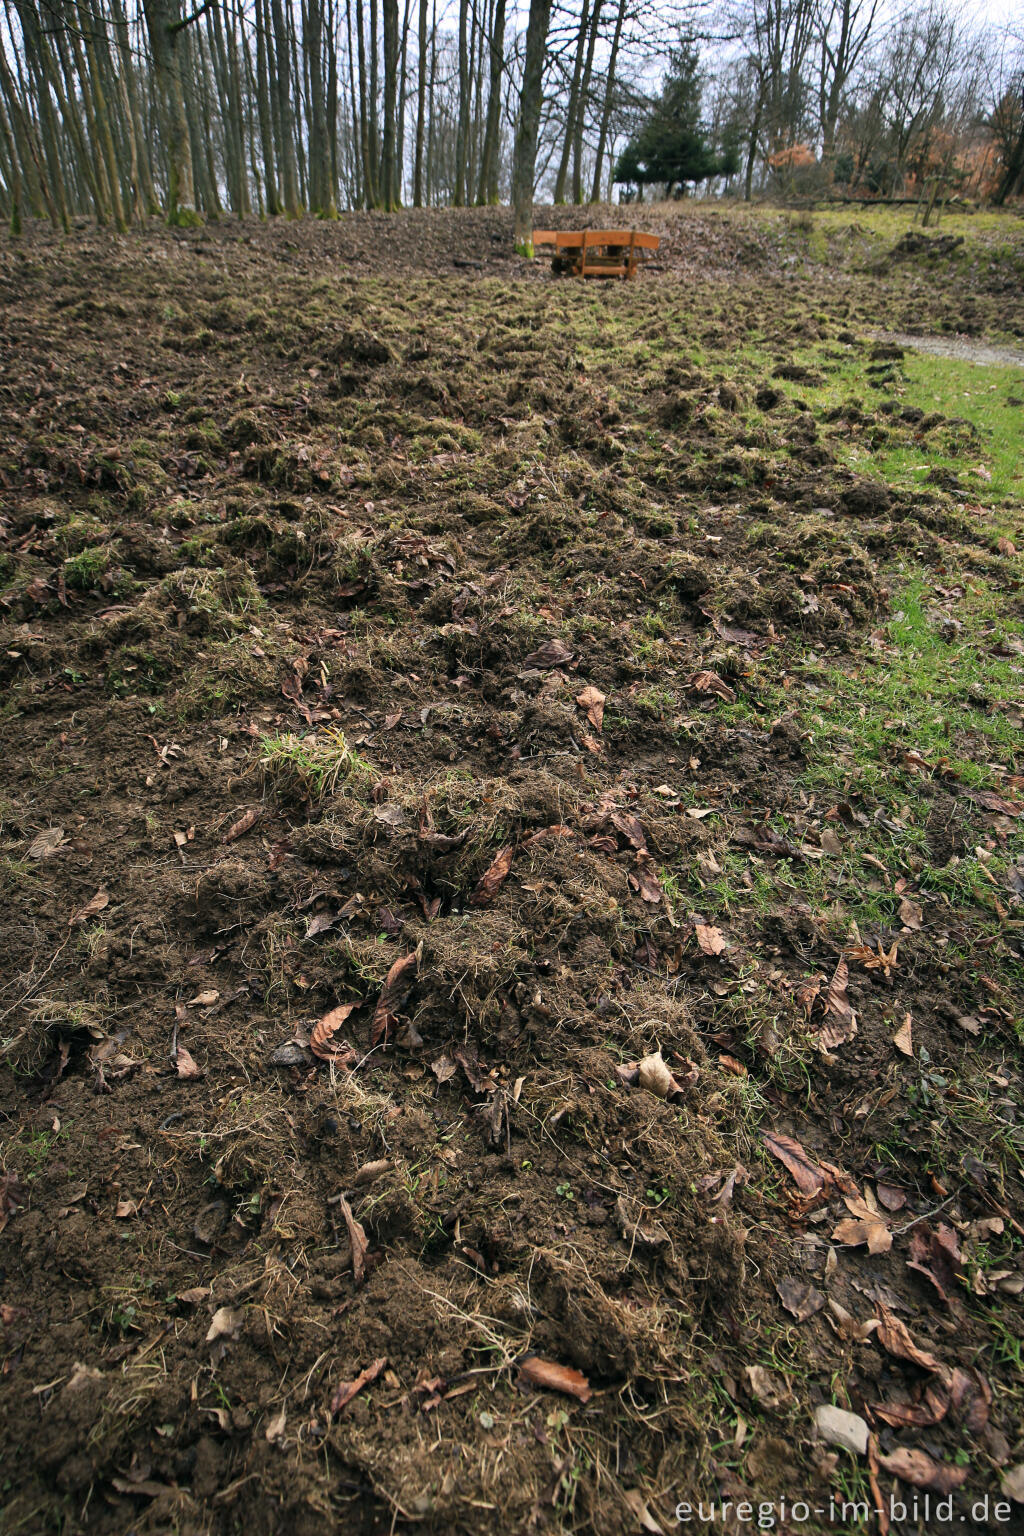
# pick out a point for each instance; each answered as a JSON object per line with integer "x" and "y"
{"x": 924, "y": 1216}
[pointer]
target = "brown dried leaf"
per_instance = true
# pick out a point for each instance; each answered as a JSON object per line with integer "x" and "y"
{"x": 493, "y": 877}
{"x": 807, "y": 1176}
{"x": 711, "y": 940}
{"x": 185, "y": 1064}
{"x": 95, "y": 904}
{"x": 643, "y": 878}
{"x": 902, "y": 1038}
{"x": 894, "y": 1336}
{"x": 710, "y": 682}
{"x": 45, "y": 844}
{"x": 854, "y": 1231}
{"x": 245, "y": 823}
{"x": 345, "y": 1391}
{"x": 799, "y": 1297}
{"x": 631, "y": 830}
{"x": 226, "y": 1324}
{"x": 918, "y": 1468}
{"x": 893, "y": 1198}
{"x": 551, "y": 653}
{"x": 322, "y": 1042}
{"x": 911, "y": 914}
{"x": 391, "y": 997}
{"x": 836, "y": 1000}
{"x": 592, "y": 700}
{"x": 358, "y": 1241}
{"x": 554, "y": 1377}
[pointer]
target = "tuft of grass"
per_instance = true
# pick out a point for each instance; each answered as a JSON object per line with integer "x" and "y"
{"x": 311, "y": 766}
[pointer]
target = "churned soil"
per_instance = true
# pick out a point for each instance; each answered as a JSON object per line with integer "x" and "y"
{"x": 397, "y": 636}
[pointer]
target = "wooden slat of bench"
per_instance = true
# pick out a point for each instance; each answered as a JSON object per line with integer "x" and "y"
{"x": 573, "y": 239}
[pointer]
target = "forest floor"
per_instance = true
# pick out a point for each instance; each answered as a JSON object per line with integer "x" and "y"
{"x": 512, "y": 883}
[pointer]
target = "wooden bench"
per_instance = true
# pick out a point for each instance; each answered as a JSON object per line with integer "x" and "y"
{"x": 597, "y": 252}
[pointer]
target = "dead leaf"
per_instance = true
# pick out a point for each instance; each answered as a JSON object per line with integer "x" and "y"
{"x": 640, "y": 1512}
{"x": 857, "y": 1231}
{"x": 45, "y": 844}
{"x": 592, "y": 700}
{"x": 891, "y": 1197}
{"x": 555, "y": 1378}
{"x": 226, "y": 1324}
{"x": 643, "y": 877}
{"x": 807, "y": 1176}
{"x": 95, "y": 904}
{"x": 493, "y": 877}
{"x": 444, "y": 1068}
{"x": 631, "y": 829}
{"x": 322, "y": 1042}
{"x": 358, "y": 1242}
{"x": 836, "y": 1000}
{"x": 203, "y": 999}
{"x": 551, "y": 653}
{"x": 710, "y": 682}
{"x": 655, "y": 1076}
{"x": 275, "y": 1428}
{"x": 894, "y": 1336}
{"x": 125, "y": 1208}
{"x": 799, "y": 1297}
{"x": 711, "y": 940}
{"x": 391, "y": 998}
{"x": 918, "y": 1468}
{"x": 1004, "y": 545}
{"x": 911, "y": 914}
{"x": 185, "y": 1064}
{"x": 935, "y": 1254}
{"x": 245, "y": 823}
{"x": 901, "y": 1039}
{"x": 1012, "y": 1483}
{"x": 345, "y": 1391}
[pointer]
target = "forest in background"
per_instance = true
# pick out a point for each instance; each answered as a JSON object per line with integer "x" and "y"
{"x": 118, "y": 111}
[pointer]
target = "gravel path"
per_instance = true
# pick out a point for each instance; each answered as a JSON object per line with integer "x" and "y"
{"x": 961, "y": 347}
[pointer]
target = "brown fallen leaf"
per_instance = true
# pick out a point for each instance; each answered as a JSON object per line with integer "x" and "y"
{"x": 918, "y": 1468}
{"x": 550, "y": 653}
{"x": 855, "y": 1232}
{"x": 631, "y": 829}
{"x": 799, "y": 1297}
{"x": 556, "y": 1378}
{"x": 95, "y": 904}
{"x": 836, "y": 1000}
{"x": 592, "y": 700}
{"x": 894, "y": 1336}
{"x": 493, "y": 877}
{"x": 358, "y": 1241}
{"x": 203, "y": 999}
{"x": 322, "y": 1042}
{"x": 893, "y": 1198}
{"x": 807, "y": 994}
{"x": 710, "y": 682}
{"x": 245, "y": 823}
{"x": 226, "y": 1324}
{"x": 807, "y": 1176}
{"x": 345, "y": 1391}
{"x": 391, "y": 997}
{"x": 185, "y": 1064}
{"x": 711, "y": 940}
{"x": 911, "y": 914}
{"x": 902, "y": 1038}
{"x": 45, "y": 844}
{"x": 935, "y": 1253}
{"x": 643, "y": 877}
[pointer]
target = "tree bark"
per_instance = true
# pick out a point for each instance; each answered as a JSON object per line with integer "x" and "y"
{"x": 609, "y": 97}
{"x": 530, "y": 103}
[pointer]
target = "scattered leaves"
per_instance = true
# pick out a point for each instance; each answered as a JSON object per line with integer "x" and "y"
{"x": 592, "y": 700}
{"x": 807, "y": 1176}
{"x": 918, "y": 1468}
{"x": 345, "y": 1391}
{"x": 393, "y": 994}
{"x": 492, "y": 878}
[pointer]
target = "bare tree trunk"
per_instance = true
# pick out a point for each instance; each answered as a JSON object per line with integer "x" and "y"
{"x": 463, "y": 121}
{"x": 421, "y": 107}
{"x": 163, "y": 30}
{"x": 570, "y": 111}
{"x": 581, "y": 106}
{"x": 389, "y": 167}
{"x": 609, "y": 97}
{"x": 530, "y": 103}
{"x": 487, "y": 191}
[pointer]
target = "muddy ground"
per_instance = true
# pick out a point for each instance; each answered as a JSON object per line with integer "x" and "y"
{"x": 446, "y": 652}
